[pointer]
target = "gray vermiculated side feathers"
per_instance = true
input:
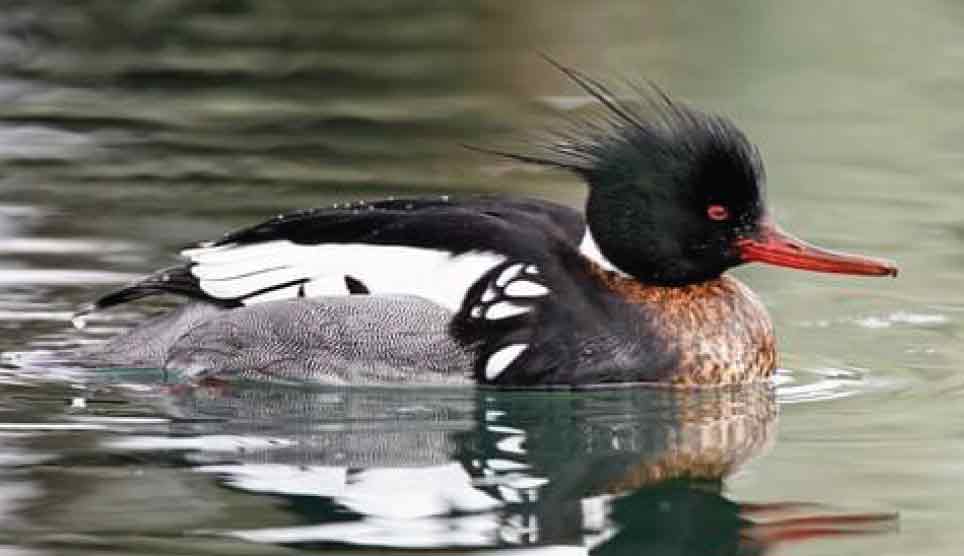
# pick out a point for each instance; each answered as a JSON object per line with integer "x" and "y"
{"x": 329, "y": 340}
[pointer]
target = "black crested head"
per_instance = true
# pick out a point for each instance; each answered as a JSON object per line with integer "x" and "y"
{"x": 672, "y": 189}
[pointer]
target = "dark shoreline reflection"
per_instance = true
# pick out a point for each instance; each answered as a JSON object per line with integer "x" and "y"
{"x": 608, "y": 471}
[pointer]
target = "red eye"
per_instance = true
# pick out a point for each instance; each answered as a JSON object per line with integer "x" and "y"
{"x": 718, "y": 212}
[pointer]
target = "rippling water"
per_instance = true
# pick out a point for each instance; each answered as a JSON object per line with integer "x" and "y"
{"x": 128, "y": 130}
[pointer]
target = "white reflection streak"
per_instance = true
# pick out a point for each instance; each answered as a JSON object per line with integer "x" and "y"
{"x": 211, "y": 443}
{"x": 467, "y": 531}
{"x": 426, "y": 492}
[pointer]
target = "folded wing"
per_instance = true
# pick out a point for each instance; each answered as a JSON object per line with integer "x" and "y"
{"x": 433, "y": 248}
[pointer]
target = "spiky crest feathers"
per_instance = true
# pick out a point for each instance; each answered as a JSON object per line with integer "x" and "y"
{"x": 621, "y": 143}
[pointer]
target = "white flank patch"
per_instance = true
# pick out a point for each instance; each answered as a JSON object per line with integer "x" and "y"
{"x": 590, "y": 249}
{"x": 504, "y": 310}
{"x": 525, "y": 288}
{"x": 501, "y": 359}
{"x": 234, "y": 271}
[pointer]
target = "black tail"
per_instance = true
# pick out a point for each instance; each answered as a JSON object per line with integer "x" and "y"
{"x": 176, "y": 280}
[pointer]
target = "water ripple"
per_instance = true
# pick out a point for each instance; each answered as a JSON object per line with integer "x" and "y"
{"x": 63, "y": 277}
{"x": 828, "y": 383}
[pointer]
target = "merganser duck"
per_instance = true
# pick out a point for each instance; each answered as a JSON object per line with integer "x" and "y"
{"x": 502, "y": 291}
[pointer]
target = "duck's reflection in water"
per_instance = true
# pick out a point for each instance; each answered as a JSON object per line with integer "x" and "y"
{"x": 612, "y": 471}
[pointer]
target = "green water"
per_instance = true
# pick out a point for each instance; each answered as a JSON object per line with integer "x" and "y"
{"x": 129, "y": 130}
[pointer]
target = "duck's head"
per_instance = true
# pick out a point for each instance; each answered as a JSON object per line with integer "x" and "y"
{"x": 676, "y": 196}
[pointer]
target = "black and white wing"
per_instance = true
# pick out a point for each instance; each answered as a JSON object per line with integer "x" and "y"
{"x": 551, "y": 323}
{"x": 433, "y": 248}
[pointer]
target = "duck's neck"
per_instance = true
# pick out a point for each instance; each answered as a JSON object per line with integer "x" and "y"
{"x": 719, "y": 328}
{"x": 590, "y": 249}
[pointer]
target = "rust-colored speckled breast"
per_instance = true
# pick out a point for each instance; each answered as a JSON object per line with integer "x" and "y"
{"x": 720, "y": 329}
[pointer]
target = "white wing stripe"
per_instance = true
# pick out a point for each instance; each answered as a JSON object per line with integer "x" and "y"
{"x": 282, "y": 293}
{"x": 236, "y": 252}
{"x": 222, "y": 272}
{"x": 237, "y": 271}
{"x": 253, "y": 253}
{"x": 251, "y": 283}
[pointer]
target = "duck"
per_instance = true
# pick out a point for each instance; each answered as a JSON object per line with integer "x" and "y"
{"x": 496, "y": 290}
